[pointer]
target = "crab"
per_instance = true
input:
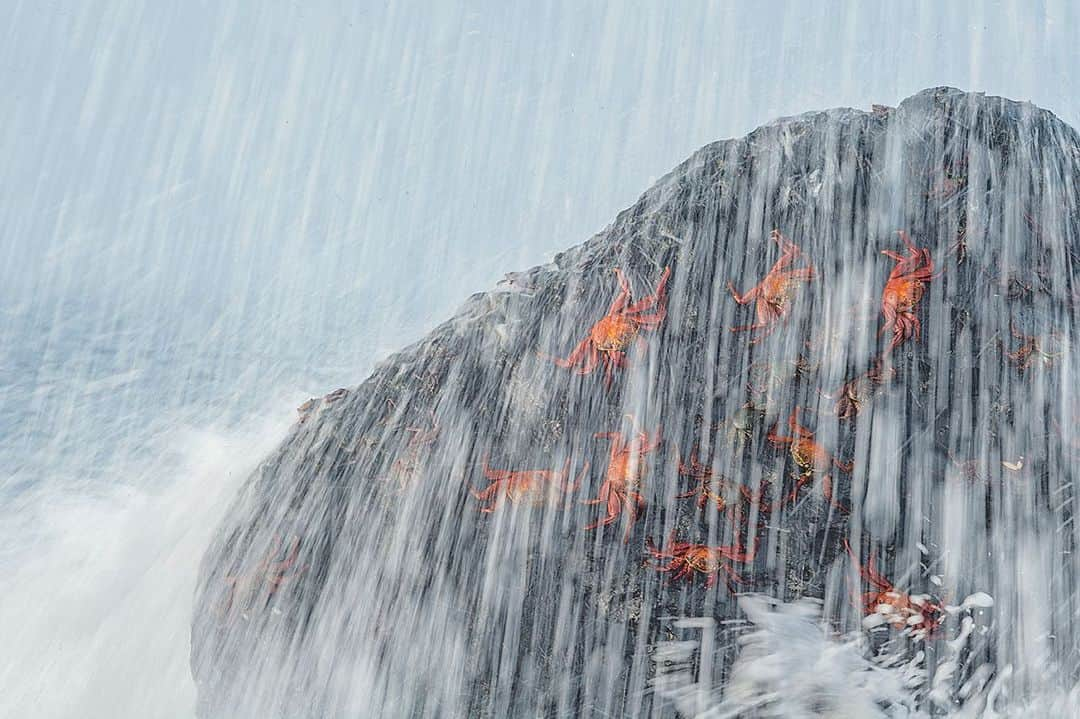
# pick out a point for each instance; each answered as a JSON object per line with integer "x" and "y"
{"x": 252, "y": 590}
{"x": 611, "y": 337}
{"x": 1031, "y": 349}
{"x": 625, "y": 471}
{"x": 773, "y": 294}
{"x": 811, "y": 459}
{"x": 903, "y": 290}
{"x": 687, "y": 558}
{"x": 918, "y": 615}
{"x": 404, "y": 467}
{"x": 307, "y": 408}
{"x": 853, "y": 393}
{"x": 535, "y": 487}
{"x": 710, "y": 487}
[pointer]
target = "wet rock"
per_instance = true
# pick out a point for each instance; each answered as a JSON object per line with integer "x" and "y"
{"x": 413, "y": 602}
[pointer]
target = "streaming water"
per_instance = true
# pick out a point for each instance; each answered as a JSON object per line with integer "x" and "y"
{"x": 212, "y": 212}
{"x": 546, "y": 508}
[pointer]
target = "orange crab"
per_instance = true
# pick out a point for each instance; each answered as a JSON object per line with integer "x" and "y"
{"x": 918, "y": 615}
{"x": 535, "y": 487}
{"x": 625, "y": 470}
{"x": 811, "y": 459}
{"x": 1031, "y": 348}
{"x": 610, "y": 338}
{"x": 687, "y": 558}
{"x": 775, "y": 290}
{"x": 254, "y": 589}
{"x": 711, "y": 488}
{"x": 903, "y": 290}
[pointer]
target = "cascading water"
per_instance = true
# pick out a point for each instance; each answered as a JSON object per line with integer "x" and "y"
{"x": 816, "y": 459}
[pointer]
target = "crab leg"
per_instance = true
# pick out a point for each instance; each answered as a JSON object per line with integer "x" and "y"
{"x": 670, "y": 566}
{"x": 868, "y": 572}
{"x": 601, "y": 497}
{"x": 653, "y": 299}
{"x": 614, "y": 507}
{"x": 786, "y": 259}
{"x": 567, "y": 487}
{"x": 488, "y": 492}
{"x": 591, "y": 362}
{"x": 651, "y": 322}
{"x": 906, "y": 239}
{"x": 645, "y": 446}
{"x": 826, "y": 489}
{"x": 623, "y": 297}
{"x": 799, "y": 430}
{"x": 768, "y": 325}
{"x": 750, "y": 295}
{"x": 497, "y": 475}
{"x": 573, "y": 359}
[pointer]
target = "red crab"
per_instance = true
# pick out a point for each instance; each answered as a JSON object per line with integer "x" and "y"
{"x": 904, "y": 289}
{"x": 536, "y": 487}
{"x": 687, "y": 558}
{"x": 918, "y": 615}
{"x": 1031, "y": 348}
{"x": 625, "y": 470}
{"x": 811, "y": 459}
{"x": 712, "y": 488}
{"x": 253, "y": 589}
{"x": 610, "y": 338}
{"x": 775, "y": 290}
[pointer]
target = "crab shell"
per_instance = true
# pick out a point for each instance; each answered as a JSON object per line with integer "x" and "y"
{"x": 614, "y": 333}
{"x": 701, "y": 559}
{"x": 810, "y": 455}
{"x": 904, "y": 294}
{"x": 536, "y": 491}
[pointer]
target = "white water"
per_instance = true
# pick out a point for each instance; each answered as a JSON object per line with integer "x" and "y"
{"x": 96, "y": 606}
{"x": 210, "y": 214}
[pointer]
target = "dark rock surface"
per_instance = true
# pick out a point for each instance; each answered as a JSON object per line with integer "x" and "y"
{"x": 356, "y": 576}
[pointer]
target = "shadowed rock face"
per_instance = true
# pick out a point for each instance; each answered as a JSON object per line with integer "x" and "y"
{"x": 356, "y": 574}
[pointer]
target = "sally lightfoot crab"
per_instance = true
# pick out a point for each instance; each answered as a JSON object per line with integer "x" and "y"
{"x": 687, "y": 558}
{"x": 710, "y": 487}
{"x": 611, "y": 337}
{"x": 773, "y": 294}
{"x": 810, "y": 457}
{"x": 1033, "y": 348}
{"x": 404, "y": 467}
{"x": 917, "y": 615}
{"x": 535, "y": 487}
{"x": 855, "y": 392}
{"x": 903, "y": 290}
{"x": 253, "y": 589}
{"x": 625, "y": 471}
